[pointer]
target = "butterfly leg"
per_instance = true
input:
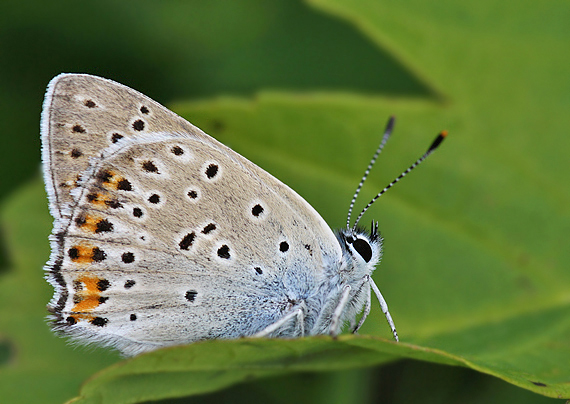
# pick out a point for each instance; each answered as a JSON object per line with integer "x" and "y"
{"x": 300, "y": 328}
{"x": 298, "y": 312}
{"x": 367, "y": 306}
{"x": 384, "y": 307}
{"x": 335, "y": 319}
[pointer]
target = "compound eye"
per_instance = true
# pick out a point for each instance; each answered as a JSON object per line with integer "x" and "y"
{"x": 363, "y": 248}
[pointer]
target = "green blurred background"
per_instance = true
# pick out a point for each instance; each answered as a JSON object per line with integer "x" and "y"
{"x": 303, "y": 89}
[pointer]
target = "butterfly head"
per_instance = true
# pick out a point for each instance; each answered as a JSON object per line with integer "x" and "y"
{"x": 362, "y": 248}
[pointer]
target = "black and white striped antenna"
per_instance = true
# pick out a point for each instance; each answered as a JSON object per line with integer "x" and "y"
{"x": 387, "y": 133}
{"x": 435, "y": 144}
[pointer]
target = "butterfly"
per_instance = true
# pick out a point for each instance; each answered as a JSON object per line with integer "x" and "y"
{"x": 164, "y": 236}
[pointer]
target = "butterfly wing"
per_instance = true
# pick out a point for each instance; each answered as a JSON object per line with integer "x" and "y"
{"x": 162, "y": 235}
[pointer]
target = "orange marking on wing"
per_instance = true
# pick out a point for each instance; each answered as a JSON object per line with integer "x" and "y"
{"x": 86, "y": 254}
{"x": 89, "y": 295}
{"x": 98, "y": 199}
{"x": 87, "y": 304}
{"x": 81, "y": 254}
{"x": 90, "y": 282}
{"x": 81, "y": 316}
{"x": 88, "y": 223}
{"x": 114, "y": 181}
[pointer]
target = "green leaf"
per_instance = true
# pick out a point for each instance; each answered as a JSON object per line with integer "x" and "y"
{"x": 209, "y": 366}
